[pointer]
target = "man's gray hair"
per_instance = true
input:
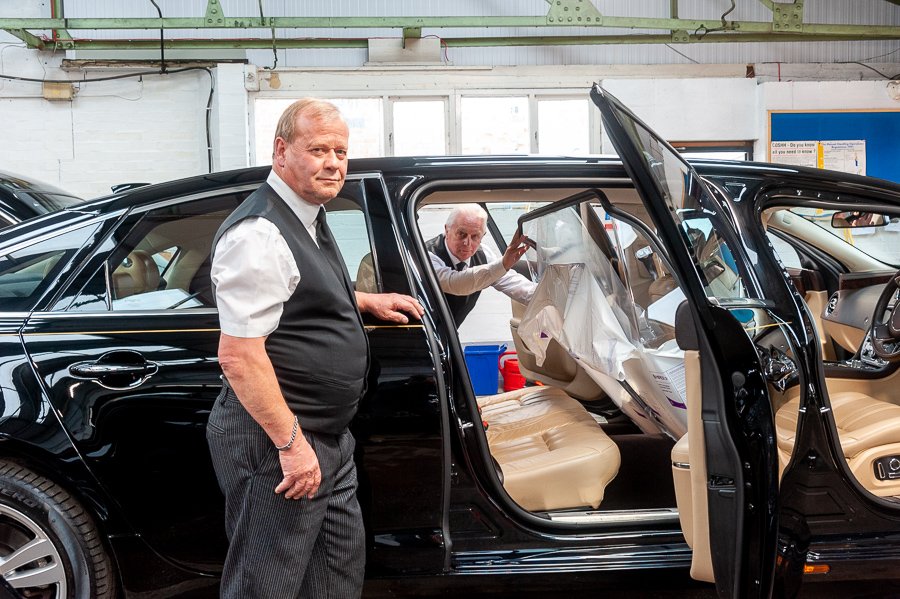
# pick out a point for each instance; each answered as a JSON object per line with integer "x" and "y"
{"x": 467, "y": 210}
{"x": 311, "y": 108}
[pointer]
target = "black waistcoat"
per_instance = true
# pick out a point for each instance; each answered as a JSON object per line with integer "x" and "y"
{"x": 460, "y": 305}
{"x": 320, "y": 351}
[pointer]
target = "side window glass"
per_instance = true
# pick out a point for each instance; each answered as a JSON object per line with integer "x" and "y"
{"x": 506, "y": 215}
{"x": 703, "y": 228}
{"x": 785, "y": 252}
{"x": 351, "y": 233}
{"x": 163, "y": 262}
{"x": 26, "y": 273}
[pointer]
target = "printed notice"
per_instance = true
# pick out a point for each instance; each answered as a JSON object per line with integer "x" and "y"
{"x": 847, "y": 156}
{"x": 673, "y": 385}
{"x": 844, "y": 155}
{"x": 797, "y": 153}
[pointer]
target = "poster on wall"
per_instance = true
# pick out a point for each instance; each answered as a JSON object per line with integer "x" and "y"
{"x": 797, "y": 153}
{"x": 847, "y": 155}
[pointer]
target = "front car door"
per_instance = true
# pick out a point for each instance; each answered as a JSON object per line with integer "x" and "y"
{"x": 725, "y": 309}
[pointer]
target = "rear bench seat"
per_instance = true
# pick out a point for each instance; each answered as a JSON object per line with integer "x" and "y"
{"x": 552, "y": 452}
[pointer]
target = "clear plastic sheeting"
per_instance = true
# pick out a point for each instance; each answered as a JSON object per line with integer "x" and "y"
{"x": 582, "y": 304}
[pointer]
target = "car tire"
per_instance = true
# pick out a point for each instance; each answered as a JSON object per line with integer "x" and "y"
{"x": 61, "y": 551}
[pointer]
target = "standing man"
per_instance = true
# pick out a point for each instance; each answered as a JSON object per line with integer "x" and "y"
{"x": 464, "y": 268}
{"x": 294, "y": 356}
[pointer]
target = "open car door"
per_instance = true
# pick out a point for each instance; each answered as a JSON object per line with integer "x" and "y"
{"x": 731, "y": 521}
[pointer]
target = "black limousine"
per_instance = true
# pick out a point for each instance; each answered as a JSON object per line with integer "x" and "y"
{"x": 712, "y": 350}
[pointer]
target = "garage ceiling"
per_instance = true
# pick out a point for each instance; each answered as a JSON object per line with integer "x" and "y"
{"x": 588, "y": 25}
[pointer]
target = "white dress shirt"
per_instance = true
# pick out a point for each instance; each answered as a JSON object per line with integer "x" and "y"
{"x": 475, "y": 278}
{"x": 254, "y": 270}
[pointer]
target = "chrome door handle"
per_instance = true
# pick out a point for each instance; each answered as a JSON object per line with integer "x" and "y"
{"x": 124, "y": 369}
{"x": 94, "y": 370}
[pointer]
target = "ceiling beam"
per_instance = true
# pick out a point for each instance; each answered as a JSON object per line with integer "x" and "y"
{"x": 786, "y": 26}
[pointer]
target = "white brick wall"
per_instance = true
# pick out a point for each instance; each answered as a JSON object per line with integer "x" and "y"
{"x": 147, "y": 129}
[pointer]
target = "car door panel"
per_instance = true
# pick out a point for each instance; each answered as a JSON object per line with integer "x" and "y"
{"x": 400, "y": 426}
{"x": 740, "y": 456}
{"x": 128, "y": 435}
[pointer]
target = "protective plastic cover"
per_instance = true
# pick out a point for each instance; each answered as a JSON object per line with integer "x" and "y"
{"x": 582, "y": 304}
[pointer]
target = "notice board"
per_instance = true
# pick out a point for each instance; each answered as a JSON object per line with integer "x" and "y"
{"x": 879, "y": 129}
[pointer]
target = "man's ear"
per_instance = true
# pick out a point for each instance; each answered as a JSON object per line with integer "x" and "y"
{"x": 279, "y": 152}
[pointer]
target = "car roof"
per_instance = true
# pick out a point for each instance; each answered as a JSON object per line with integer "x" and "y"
{"x": 477, "y": 167}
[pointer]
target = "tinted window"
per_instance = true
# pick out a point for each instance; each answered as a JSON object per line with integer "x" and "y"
{"x": 163, "y": 262}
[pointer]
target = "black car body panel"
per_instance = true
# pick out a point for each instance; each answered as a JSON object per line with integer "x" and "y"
{"x": 22, "y": 198}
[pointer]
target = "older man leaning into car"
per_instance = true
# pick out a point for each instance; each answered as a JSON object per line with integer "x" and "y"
{"x": 464, "y": 268}
{"x": 294, "y": 356}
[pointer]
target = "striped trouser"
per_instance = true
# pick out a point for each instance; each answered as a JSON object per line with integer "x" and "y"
{"x": 282, "y": 548}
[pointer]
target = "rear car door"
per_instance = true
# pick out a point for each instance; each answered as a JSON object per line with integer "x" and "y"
{"x": 735, "y": 420}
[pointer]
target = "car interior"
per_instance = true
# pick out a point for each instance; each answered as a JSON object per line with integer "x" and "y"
{"x": 589, "y": 439}
{"x": 847, "y": 291}
{"x": 600, "y": 432}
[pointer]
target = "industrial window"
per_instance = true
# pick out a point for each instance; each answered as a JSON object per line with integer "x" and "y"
{"x": 563, "y": 126}
{"x": 495, "y": 125}
{"x": 419, "y": 127}
{"x": 725, "y": 150}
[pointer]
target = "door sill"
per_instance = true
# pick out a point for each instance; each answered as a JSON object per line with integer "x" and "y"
{"x": 615, "y": 516}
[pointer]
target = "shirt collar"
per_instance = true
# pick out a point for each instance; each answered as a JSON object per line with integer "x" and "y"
{"x": 304, "y": 210}
{"x": 452, "y": 255}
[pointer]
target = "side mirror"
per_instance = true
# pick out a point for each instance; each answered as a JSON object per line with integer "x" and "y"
{"x": 854, "y": 219}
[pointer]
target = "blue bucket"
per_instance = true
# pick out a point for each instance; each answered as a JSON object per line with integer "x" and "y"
{"x": 482, "y": 362}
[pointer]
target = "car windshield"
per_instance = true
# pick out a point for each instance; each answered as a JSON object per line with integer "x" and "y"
{"x": 881, "y": 242}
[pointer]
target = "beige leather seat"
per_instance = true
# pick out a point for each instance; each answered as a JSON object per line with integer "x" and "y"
{"x": 868, "y": 429}
{"x": 552, "y": 452}
{"x": 137, "y": 273}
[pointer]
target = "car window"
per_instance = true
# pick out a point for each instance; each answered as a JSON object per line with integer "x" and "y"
{"x": 785, "y": 252}
{"x": 26, "y": 272}
{"x": 882, "y": 243}
{"x": 506, "y": 215}
{"x": 162, "y": 263}
{"x": 351, "y": 233}
{"x": 701, "y": 223}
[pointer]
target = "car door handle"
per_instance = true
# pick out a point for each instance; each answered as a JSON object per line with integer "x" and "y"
{"x": 124, "y": 369}
{"x": 95, "y": 370}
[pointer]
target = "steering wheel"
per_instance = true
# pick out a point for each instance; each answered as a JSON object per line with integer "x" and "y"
{"x": 886, "y": 332}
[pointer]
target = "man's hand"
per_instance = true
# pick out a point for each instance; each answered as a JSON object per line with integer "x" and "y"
{"x": 515, "y": 250}
{"x": 390, "y": 306}
{"x": 300, "y": 467}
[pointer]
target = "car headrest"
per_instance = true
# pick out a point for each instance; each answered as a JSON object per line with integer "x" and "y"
{"x": 365, "y": 275}
{"x": 137, "y": 273}
{"x": 685, "y": 330}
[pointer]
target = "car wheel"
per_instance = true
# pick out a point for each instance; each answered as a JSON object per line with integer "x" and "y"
{"x": 49, "y": 545}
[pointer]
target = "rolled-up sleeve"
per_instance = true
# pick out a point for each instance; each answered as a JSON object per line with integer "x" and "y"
{"x": 254, "y": 273}
{"x": 466, "y": 281}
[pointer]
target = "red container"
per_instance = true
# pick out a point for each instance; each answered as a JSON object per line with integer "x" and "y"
{"x": 509, "y": 368}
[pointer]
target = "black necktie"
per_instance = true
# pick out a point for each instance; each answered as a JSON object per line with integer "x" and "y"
{"x": 460, "y": 265}
{"x": 329, "y": 249}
